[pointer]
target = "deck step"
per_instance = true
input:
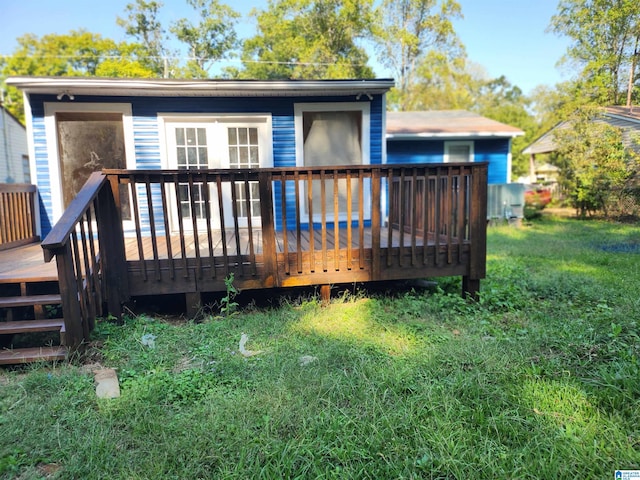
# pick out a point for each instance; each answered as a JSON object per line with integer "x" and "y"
{"x": 29, "y": 326}
{"x": 35, "y": 354}
{"x": 30, "y": 300}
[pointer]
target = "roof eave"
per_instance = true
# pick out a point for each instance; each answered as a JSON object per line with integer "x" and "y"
{"x": 197, "y": 88}
{"x": 443, "y": 135}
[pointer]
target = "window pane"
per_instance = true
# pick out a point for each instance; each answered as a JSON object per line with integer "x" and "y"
{"x": 254, "y": 158}
{"x": 202, "y": 156}
{"x": 179, "y": 136}
{"x": 182, "y": 157}
{"x": 242, "y": 136}
{"x": 233, "y": 157}
{"x": 244, "y": 156}
{"x": 191, "y": 136}
{"x": 233, "y": 136}
{"x": 253, "y": 136}
{"x": 192, "y": 155}
{"x": 202, "y": 136}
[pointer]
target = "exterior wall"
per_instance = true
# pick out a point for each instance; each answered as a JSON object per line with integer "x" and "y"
{"x": 14, "y": 164}
{"x": 495, "y": 151}
{"x": 148, "y": 138}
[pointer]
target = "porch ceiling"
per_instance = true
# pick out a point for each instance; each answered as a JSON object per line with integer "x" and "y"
{"x": 197, "y": 88}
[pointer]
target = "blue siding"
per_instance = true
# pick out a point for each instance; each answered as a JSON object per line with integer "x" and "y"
{"x": 147, "y": 137}
{"x": 495, "y": 151}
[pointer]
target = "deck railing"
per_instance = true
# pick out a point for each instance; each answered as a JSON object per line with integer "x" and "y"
{"x": 130, "y": 233}
{"x": 17, "y": 215}
{"x": 304, "y": 226}
{"x": 87, "y": 243}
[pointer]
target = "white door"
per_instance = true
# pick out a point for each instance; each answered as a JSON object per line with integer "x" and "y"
{"x": 221, "y": 143}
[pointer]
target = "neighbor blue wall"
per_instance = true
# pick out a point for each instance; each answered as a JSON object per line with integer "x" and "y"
{"x": 147, "y": 136}
{"x": 495, "y": 151}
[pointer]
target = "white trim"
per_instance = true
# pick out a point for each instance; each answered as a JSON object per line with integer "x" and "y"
{"x": 31, "y": 149}
{"x": 197, "y": 88}
{"x": 468, "y": 143}
{"x": 445, "y": 135}
{"x": 509, "y": 162}
{"x": 50, "y": 110}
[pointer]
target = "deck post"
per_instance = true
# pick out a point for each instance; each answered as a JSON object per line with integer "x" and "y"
{"x": 325, "y": 295}
{"x": 76, "y": 329}
{"x": 193, "y": 303}
{"x": 112, "y": 249}
{"x": 265, "y": 183}
{"x": 375, "y": 224}
{"x": 478, "y": 233}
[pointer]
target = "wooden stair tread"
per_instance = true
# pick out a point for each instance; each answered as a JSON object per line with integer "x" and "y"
{"x": 34, "y": 354}
{"x": 30, "y": 300}
{"x": 28, "y": 326}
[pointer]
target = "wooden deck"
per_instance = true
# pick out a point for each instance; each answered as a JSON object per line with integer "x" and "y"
{"x": 26, "y": 264}
{"x": 404, "y": 222}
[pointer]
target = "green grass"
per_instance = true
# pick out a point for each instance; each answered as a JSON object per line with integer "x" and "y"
{"x": 540, "y": 379}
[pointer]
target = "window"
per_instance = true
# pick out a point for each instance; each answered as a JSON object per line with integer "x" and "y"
{"x": 458, "y": 152}
{"x": 332, "y": 134}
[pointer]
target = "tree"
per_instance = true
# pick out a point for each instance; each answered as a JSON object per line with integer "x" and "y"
{"x": 308, "y": 39}
{"x": 499, "y": 100}
{"x": 604, "y": 34}
{"x": 143, "y": 26}
{"x": 594, "y": 164}
{"x": 407, "y": 32}
{"x": 77, "y": 53}
{"x": 213, "y": 38}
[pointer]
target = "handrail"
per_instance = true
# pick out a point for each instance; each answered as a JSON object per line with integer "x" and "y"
{"x": 88, "y": 245}
{"x": 17, "y": 215}
{"x": 61, "y": 231}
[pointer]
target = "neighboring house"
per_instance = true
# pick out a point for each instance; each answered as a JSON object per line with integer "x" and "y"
{"x": 621, "y": 117}
{"x": 451, "y": 136}
{"x": 14, "y": 160}
{"x": 80, "y": 125}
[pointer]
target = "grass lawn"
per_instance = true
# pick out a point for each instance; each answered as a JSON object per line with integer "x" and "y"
{"x": 540, "y": 379}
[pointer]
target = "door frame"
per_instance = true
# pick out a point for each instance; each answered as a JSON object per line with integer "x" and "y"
{"x": 219, "y": 157}
{"x": 51, "y": 132}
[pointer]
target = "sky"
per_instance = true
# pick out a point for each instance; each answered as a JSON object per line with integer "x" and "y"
{"x": 506, "y": 37}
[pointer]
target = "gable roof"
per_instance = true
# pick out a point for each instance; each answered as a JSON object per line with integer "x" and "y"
{"x": 445, "y": 124}
{"x": 71, "y": 86}
{"x": 625, "y": 118}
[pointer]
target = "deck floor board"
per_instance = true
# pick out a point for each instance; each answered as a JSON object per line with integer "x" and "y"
{"x": 26, "y": 263}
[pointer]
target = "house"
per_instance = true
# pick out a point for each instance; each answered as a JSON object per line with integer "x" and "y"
{"x": 460, "y": 136}
{"x": 14, "y": 160}
{"x": 153, "y": 187}
{"x": 77, "y": 126}
{"x": 451, "y": 136}
{"x": 625, "y": 118}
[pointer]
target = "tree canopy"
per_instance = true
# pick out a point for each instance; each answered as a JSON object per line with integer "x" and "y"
{"x": 605, "y": 37}
{"x": 310, "y": 39}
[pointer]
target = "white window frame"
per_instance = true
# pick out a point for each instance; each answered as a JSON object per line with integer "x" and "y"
{"x": 449, "y": 144}
{"x": 50, "y": 111}
{"x": 365, "y": 145}
{"x": 218, "y": 159}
